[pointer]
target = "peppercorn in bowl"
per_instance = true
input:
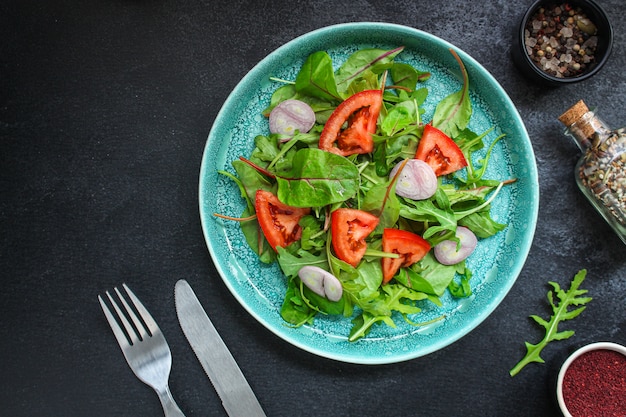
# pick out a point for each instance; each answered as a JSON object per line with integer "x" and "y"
{"x": 562, "y": 42}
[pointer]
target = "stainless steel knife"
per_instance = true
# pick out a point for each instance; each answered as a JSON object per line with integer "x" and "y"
{"x": 237, "y": 397}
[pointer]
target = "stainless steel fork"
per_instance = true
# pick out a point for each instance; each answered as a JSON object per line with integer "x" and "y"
{"x": 144, "y": 347}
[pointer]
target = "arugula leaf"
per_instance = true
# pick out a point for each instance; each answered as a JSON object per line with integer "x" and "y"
{"x": 313, "y": 235}
{"x": 474, "y": 175}
{"x": 401, "y": 146}
{"x": 294, "y": 309}
{"x": 318, "y": 178}
{"x": 440, "y": 214}
{"x": 474, "y": 195}
{"x": 394, "y": 297}
{"x": 560, "y": 313}
{"x": 461, "y": 289}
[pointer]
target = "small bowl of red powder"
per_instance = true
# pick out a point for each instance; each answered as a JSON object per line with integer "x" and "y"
{"x": 592, "y": 381}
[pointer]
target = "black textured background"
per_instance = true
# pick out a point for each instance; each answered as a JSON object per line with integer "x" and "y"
{"x": 105, "y": 107}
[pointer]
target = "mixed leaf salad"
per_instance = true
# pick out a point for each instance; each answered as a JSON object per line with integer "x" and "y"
{"x": 369, "y": 210}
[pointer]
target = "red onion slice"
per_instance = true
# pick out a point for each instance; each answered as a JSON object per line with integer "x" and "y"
{"x": 417, "y": 181}
{"x": 291, "y": 115}
{"x": 321, "y": 282}
{"x": 446, "y": 252}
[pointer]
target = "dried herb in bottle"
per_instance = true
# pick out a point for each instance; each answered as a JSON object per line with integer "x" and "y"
{"x": 601, "y": 171}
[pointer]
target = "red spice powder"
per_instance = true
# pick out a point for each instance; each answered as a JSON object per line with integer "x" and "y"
{"x": 594, "y": 385}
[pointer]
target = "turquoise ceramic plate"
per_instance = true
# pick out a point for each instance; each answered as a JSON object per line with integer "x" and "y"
{"x": 496, "y": 262}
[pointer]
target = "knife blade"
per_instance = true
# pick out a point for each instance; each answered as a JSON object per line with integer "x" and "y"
{"x": 234, "y": 391}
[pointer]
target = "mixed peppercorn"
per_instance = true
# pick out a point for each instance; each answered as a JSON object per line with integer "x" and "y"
{"x": 560, "y": 39}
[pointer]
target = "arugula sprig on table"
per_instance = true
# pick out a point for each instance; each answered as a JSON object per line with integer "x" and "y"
{"x": 560, "y": 313}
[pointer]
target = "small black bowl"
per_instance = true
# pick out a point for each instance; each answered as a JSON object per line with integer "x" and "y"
{"x": 605, "y": 43}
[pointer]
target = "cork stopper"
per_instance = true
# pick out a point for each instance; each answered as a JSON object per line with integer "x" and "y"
{"x": 574, "y": 113}
{"x": 574, "y": 118}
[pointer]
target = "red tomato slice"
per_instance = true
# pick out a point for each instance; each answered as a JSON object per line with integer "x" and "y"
{"x": 360, "y": 112}
{"x": 439, "y": 151}
{"x": 349, "y": 228}
{"x": 409, "y": 246}
{"x": 278, "y": 221}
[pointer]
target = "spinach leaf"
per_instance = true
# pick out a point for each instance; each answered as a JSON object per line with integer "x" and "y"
{"x": 400, "y": 116}
{"x": 367, "y": 81}
{"x": 438, "y": 275}
{"x": 404, "y": 75}
{"x": 453, "y": 113}
{"x": 382, "y": 201}
{"x": 322, "y": 304}
{"x": 318, "y": 178}
{"x": 374, "y": 60}
{"x": 290, "y": 263}
{"x": 281, "y": 94}
{"x": 411, "y": 279}
{"x": 482, "y": 224}
{"x": 251, "y": 181}
{"x": 317, "y": 79}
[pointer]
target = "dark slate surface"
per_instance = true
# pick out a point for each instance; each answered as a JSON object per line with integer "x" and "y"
{"x": 105, "y": 107}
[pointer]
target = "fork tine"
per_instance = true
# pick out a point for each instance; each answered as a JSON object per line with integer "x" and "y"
{"x": 129, "y": 329}
{"x": 138, "y": 324}
{"x": 145, "y": 315}
{"x": 150, "y": 359}
{"x": 117, "y": 330}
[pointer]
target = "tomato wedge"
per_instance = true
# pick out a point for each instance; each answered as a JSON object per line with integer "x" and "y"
{"x": 349, "y": 228}
{"x": 360, "y": 113}
{"x": 439, "y": 151}
{"x": 409, "y": 246}
{"x": 278, "y": 221}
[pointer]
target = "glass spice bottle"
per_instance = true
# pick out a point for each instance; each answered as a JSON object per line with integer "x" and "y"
{"x": 601, "y": 171}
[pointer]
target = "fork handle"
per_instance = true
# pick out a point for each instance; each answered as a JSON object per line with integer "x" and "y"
{"x": 169, "y": 405}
